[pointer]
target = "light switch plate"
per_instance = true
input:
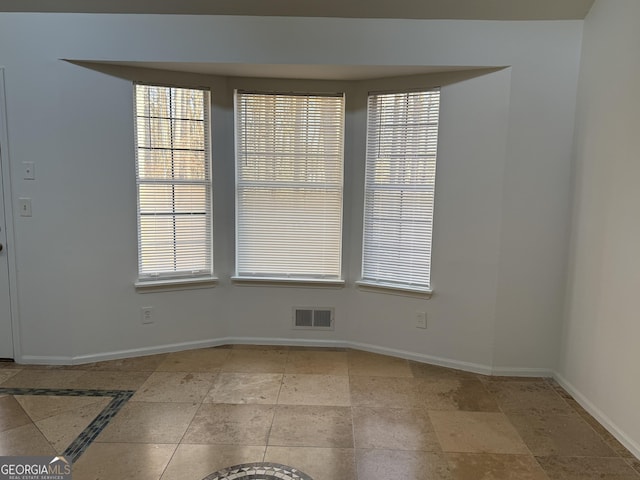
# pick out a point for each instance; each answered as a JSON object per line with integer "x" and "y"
{"x": 25, "y": 207}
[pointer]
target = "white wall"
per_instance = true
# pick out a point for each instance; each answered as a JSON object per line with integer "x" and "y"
{"x": 600, "y": 360}
{"x": 501, "y": 203}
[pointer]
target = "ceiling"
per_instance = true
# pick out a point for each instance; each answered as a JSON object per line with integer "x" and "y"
{"x": 416, "y": 9}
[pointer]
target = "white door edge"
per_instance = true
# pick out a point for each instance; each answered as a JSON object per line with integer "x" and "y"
{"x": 8, "y": 218}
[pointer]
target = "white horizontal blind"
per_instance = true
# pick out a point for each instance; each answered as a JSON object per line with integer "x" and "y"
{"x": 402, "y": 139}
{"x": 289, "y": 158}
{"x": 173, "y": 171}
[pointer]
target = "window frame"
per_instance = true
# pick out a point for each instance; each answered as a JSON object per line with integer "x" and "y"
{"x": 187, "y": 278}
{"x": 284, "y": 278}
{"x": 385, "y": 282}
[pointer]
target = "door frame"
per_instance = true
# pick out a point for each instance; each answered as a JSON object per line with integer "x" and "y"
{"x": 8, "y": 219}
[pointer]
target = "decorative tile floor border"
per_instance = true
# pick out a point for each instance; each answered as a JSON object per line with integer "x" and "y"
{"x": 89, "y": 434}
{"x": 258, "y": 471}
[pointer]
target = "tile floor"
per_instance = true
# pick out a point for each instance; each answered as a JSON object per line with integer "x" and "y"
{"x": 334, "y": 414}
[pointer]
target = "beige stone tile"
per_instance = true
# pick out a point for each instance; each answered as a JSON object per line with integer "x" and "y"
{"x": 374, "y": 365}
{"x": 401, "y": 465}
{"x": 317, "y": 362}
{"x": 195, "y": 462}
{"x": 318, "y": 463}
{"x": 504, "y": 378}
{"x": 587, "y": 468}
{"x": 558, "y": 388}
{"x": 456, "y": 393}
{"x": 315, "y": 390}
{"x": 608, "y": 438}
{"x": 247, "y": 360}
{"x": 147, "y": 363}
{"x": 24, "y": 440}
{"x": 394, "y": 429}
{"x": 312, "y": 426}
{"x": 282, "y": 348}
{"x": 528, "y": 397}
{"x": 476, "y": 432}
{"x": 62, "y": 429}
{"x": 230, "y": 424}
{"x": 175, "y": 387}
{"x": 39, "y": 407}
{"x": 201, "y": 360}
{"x": 303, "y": 348}
{"x": 385, "y": 392}
{"x": 565, "y": 435}
{"x": 245, "y": 388}
{"x": 11, "y": 414}
{"x": 106, "y": 380}
{"x": 35, "y": 366}
{"x": 487, "y": 466}
{"x": 433, "y": 372}
{"x": 634, "y": 463}
{"x": 7, "y": 373}
{"x": 149, "y": 422}
{"x": 123, "y": 461}
{"x": 43, "y": 379}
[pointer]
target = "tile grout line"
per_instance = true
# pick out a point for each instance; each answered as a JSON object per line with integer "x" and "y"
{"x": 95, "y": 428}
{"x": 175, "y": 450}
{"x": 275, "y": 407}
{"x": 353, "y": 424}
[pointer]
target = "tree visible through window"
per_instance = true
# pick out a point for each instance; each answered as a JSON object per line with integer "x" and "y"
{"x": 173, "y": 172}
{"x": 289, "y": 159}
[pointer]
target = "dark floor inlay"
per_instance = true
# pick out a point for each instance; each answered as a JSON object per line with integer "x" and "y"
{"x": 258, "y": 471}
{"x": 89, "y": 434}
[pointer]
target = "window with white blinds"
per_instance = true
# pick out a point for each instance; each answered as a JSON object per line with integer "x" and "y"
{"x": 173, "y": 172}
{"x": 289, "y": 184}
{"x": 402, "y": 140}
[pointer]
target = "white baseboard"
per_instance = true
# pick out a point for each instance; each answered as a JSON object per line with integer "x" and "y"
{"x": 287, "y": 342}
{"x": 602, "y": 418}
{"x": 419, "y": 357}
{"x": 174, "y": 347}
{"x": 522, "y": 372}
{"x": 43, "y": 360}
{"x": 177, "y": 347}
{"x": 145, "y": 351}
{"x": 214, "y": 342}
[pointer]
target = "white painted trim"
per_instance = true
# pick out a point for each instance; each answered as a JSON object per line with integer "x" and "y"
{"x": 8, "y": 218}
{"x": 287, "y": 282}
{"x": 522, "y": 372}
{"x": 422, "y": 358}
{"x": 600, "y": 416}
{"x": 369, "y": 286}
{"x": 145, "y": 351}
{"x": 291, "y": 342}
{"x": 171, "y": 284}
{"x": 43, "y": 360}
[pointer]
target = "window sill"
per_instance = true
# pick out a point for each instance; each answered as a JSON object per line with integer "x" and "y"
{"x": 394, "y": 289}
{"x": 287, "y": 282}
{"x": 170, "y": 284}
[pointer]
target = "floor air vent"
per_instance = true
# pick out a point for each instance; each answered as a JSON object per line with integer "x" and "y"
{"x": 317, "y": 318}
